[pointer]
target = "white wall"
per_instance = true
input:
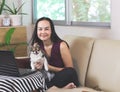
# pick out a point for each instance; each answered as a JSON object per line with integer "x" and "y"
{"x": 115, "y": 22}
{"x": 110, "y": 33}
{"x": 82, "y": 31}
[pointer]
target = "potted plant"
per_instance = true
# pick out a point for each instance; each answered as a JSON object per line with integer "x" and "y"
{"x": 15, "y": 14}
{"x": 2, "y": 3}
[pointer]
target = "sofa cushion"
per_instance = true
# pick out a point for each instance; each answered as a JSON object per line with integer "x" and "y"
{"x": 104, "y": 66}
{"x": 80, "y": 48}
{"x": 80, "y": 89}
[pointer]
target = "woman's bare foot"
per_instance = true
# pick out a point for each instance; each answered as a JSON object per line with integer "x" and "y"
{"x": 70, "y": 86}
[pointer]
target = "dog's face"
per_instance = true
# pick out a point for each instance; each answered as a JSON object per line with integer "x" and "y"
{"x": 35, "y": 49}
{"x": 36, "y": 53}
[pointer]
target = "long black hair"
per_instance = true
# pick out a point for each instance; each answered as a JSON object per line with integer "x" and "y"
{"x": 54, "y": 36}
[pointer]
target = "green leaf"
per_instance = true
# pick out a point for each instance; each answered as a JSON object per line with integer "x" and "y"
{"x": 9, "y": 35}
{"x": 14, "y": 10}
{"x": 1, "y": 6}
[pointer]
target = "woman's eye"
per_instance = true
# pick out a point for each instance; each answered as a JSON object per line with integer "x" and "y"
{"x": 46, "y": 28}
{"x": 39, "y": 29}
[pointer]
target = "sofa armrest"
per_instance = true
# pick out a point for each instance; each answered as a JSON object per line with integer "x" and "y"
{"x": 23, "y": 62}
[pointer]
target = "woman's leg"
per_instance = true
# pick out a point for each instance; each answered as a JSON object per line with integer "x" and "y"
{"x": 64, "y": 77}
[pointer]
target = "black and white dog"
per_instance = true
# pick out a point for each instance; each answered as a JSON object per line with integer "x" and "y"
{"x": 37, "y": 55}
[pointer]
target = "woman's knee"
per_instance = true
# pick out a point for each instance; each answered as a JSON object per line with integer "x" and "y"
{"x": 70, "y": 70}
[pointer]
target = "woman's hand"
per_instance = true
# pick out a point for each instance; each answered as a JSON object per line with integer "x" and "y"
{"x": 39, "y": 64}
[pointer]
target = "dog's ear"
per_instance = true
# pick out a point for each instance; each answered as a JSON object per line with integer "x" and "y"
{"x": 35, "y": 44}
{"x": 35, "y": 47}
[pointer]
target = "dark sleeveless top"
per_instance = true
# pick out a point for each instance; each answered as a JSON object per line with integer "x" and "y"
{"x": 55, "y": 59}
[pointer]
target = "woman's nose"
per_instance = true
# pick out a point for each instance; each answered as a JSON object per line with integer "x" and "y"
{"x": 43, "y": 30}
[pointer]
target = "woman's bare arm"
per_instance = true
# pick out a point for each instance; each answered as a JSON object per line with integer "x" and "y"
{"x": 66, "y": 56}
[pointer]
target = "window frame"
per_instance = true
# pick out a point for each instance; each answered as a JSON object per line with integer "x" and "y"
{"x": 68, "y": 21}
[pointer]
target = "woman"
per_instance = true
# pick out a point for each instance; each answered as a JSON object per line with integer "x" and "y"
{"x": 57, "y": 51}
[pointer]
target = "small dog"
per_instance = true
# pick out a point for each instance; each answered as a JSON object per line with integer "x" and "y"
{"x": 37, "y": 55}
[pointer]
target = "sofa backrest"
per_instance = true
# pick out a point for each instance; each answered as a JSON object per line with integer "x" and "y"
{"x": 104, "y": 67}
{"x": 80, "y": 48}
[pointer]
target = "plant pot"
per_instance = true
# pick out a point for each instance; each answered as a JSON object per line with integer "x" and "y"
{"x": 1, "y": 19}
{"x": 16, "y": 20}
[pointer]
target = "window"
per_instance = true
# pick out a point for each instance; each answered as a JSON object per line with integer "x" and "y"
{"x": 74, "y": 12}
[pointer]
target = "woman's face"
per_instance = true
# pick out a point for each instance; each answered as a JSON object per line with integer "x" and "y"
{"x": 44, "y": 30}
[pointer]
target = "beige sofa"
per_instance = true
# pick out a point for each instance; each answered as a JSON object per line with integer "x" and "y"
{"x": 97, "y": 62}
